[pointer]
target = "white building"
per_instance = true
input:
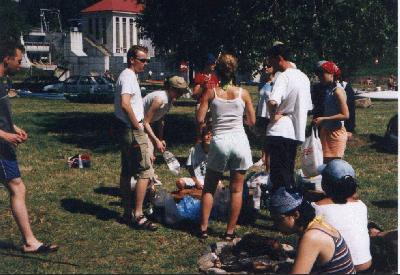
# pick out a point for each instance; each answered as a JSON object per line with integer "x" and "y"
{"x": 111, "y": 23}
{"x": 108, "y": 31}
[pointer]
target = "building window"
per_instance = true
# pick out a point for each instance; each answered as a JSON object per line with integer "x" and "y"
{"x": 97, "y": 29}
{"x": 104, "y": 24}
{"x": 90, "y": 26}
{"x": 117, "y": 41}
{"x": 131, "y": 31}
{"x": 124, "y": 32}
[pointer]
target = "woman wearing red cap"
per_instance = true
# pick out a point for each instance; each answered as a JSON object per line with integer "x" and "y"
{"x": 335, "y": 111}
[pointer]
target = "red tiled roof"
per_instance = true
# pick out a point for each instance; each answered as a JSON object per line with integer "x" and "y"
{"x": 116, "y": 5}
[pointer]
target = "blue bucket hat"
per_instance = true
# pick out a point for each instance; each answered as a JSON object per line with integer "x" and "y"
{"x": 336, "y": 170}
{"x": 283, "y": 201}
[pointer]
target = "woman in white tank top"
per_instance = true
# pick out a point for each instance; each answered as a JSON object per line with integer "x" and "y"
{"x": 229, "y": 148}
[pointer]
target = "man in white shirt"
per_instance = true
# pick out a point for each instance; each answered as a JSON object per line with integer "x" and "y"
{"x": 135, "y": 159}
{"x": 288, "y": 104}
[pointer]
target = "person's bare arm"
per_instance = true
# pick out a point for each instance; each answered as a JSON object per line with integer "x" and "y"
{"x": 195, "y": 179}
{"x": 250, "y": 113}
{"x": 344, "y": 110}
{"x": 201, "y": 113}
{"x": 197, "y": 91}
{"x": 14, "y": 139}
{"x": 155, "y": 105}
{"x": 126, "y": 107}
{"x": 307, "y": 253}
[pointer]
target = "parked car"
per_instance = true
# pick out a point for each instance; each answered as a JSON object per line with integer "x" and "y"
{"x": 36, "y": 84}
{"x": 96, "y": 89}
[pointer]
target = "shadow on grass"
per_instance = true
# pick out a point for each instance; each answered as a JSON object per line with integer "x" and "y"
{"x": 5, "y": 245}
{"x": 107, "y": 190}
{"x": 77, "y": 206}
{"x": 385, "y": 203}
{"x": 97, "y": 131}
{"x": 93, "y": 131}
{"x": 383, "y": 144}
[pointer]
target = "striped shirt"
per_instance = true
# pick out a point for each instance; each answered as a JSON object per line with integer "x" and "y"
{"x": 341, "y": 261}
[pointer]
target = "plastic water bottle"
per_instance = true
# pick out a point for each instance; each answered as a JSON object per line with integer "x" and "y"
{"x": 80, "y": 161}
{"x": 257, "y": 197}
{"x": 172, "y": 162}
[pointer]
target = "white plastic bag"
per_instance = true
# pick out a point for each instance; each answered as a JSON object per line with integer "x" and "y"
{"x": 311, "y": 154}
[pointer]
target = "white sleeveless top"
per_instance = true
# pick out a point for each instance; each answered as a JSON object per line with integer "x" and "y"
{"x": 165, "y": 107}
{"x": 227, "y": 114}
{"x": 351, "y": 220}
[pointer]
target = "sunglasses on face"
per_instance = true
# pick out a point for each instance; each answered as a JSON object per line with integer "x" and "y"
{"x": 143, "y": 60}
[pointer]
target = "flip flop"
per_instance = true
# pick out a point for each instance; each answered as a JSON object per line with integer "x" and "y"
{"x": 43, "y": 249}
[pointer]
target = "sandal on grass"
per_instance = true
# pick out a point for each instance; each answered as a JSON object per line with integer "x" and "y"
{"x": 142, "y": 222}
{"x": 42, "y": 249}
{"x": 229, "y": 236}
{"x": 203, "y": 235}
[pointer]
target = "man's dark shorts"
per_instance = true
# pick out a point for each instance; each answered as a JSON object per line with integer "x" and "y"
{"x": 9, "y": 170}
{"x": 135, "y": 155}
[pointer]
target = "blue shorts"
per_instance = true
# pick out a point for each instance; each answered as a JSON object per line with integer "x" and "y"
{"x": 9, "y": 170}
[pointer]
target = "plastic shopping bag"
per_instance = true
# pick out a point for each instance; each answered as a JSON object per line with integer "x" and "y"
{"x": 311, "y": 154}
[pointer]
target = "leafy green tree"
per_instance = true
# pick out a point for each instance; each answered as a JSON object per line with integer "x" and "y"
{"x": 347, "y": 32}
{"x": 13, "y": 20}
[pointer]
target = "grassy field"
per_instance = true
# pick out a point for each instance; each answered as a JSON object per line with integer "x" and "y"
{"x": 80, "y": 209}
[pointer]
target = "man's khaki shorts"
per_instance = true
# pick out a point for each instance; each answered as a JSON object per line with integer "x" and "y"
{"x": 135, "y": 156}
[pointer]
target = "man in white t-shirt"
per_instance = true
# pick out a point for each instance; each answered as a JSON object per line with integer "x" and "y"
{"x": 289, "y": 103}
{"x": 135, "y": 159}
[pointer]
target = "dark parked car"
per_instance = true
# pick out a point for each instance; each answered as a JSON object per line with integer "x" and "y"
{"x": 96, "y": 89}
{"x": 36, "y": 84}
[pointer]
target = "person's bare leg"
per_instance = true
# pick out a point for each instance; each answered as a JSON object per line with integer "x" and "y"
{"x": 210, "y": 184}
{"x": 266, "y": 161}
{"x": 236, "y": 186}
{"x": 17, "y": 192}
{"x": 140, "y": 193}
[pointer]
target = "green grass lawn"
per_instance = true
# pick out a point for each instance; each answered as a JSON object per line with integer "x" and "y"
{"x": 79, "y": 209}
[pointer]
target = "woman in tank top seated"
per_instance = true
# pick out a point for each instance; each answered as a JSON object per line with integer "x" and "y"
{"x": 156, "y": 105}
{"x": 321, "y": 248}
{"x": 229, "y": 148}
{"x": 345, "y": 211}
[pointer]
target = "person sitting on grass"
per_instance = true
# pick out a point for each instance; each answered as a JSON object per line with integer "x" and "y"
{"x": 321, "y": 248}
{"x": 196, "y": 163}
{"x": 342, "y": 209}
{"x": 11, "y": 136}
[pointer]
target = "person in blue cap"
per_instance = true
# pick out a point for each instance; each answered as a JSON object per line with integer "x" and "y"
{"x": 321, "y": 248}
{"x": 345, "y": 211}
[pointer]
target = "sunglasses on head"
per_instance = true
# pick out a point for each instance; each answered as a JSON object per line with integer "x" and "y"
{"x": 143, "y": 60}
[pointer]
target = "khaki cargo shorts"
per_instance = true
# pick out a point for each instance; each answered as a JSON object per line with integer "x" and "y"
{"x": 135, "y": 155}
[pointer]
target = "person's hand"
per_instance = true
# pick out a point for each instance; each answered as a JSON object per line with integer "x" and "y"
{"x": 198, "y": 186}
{"x": 317, "y": 121}
{"x": 160, "y": 145}
{"x": 164, "y": 143}
{"x": 276, "y": 117}
{"x": 21, "y": 133}
{"x": 14, "y": 139}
